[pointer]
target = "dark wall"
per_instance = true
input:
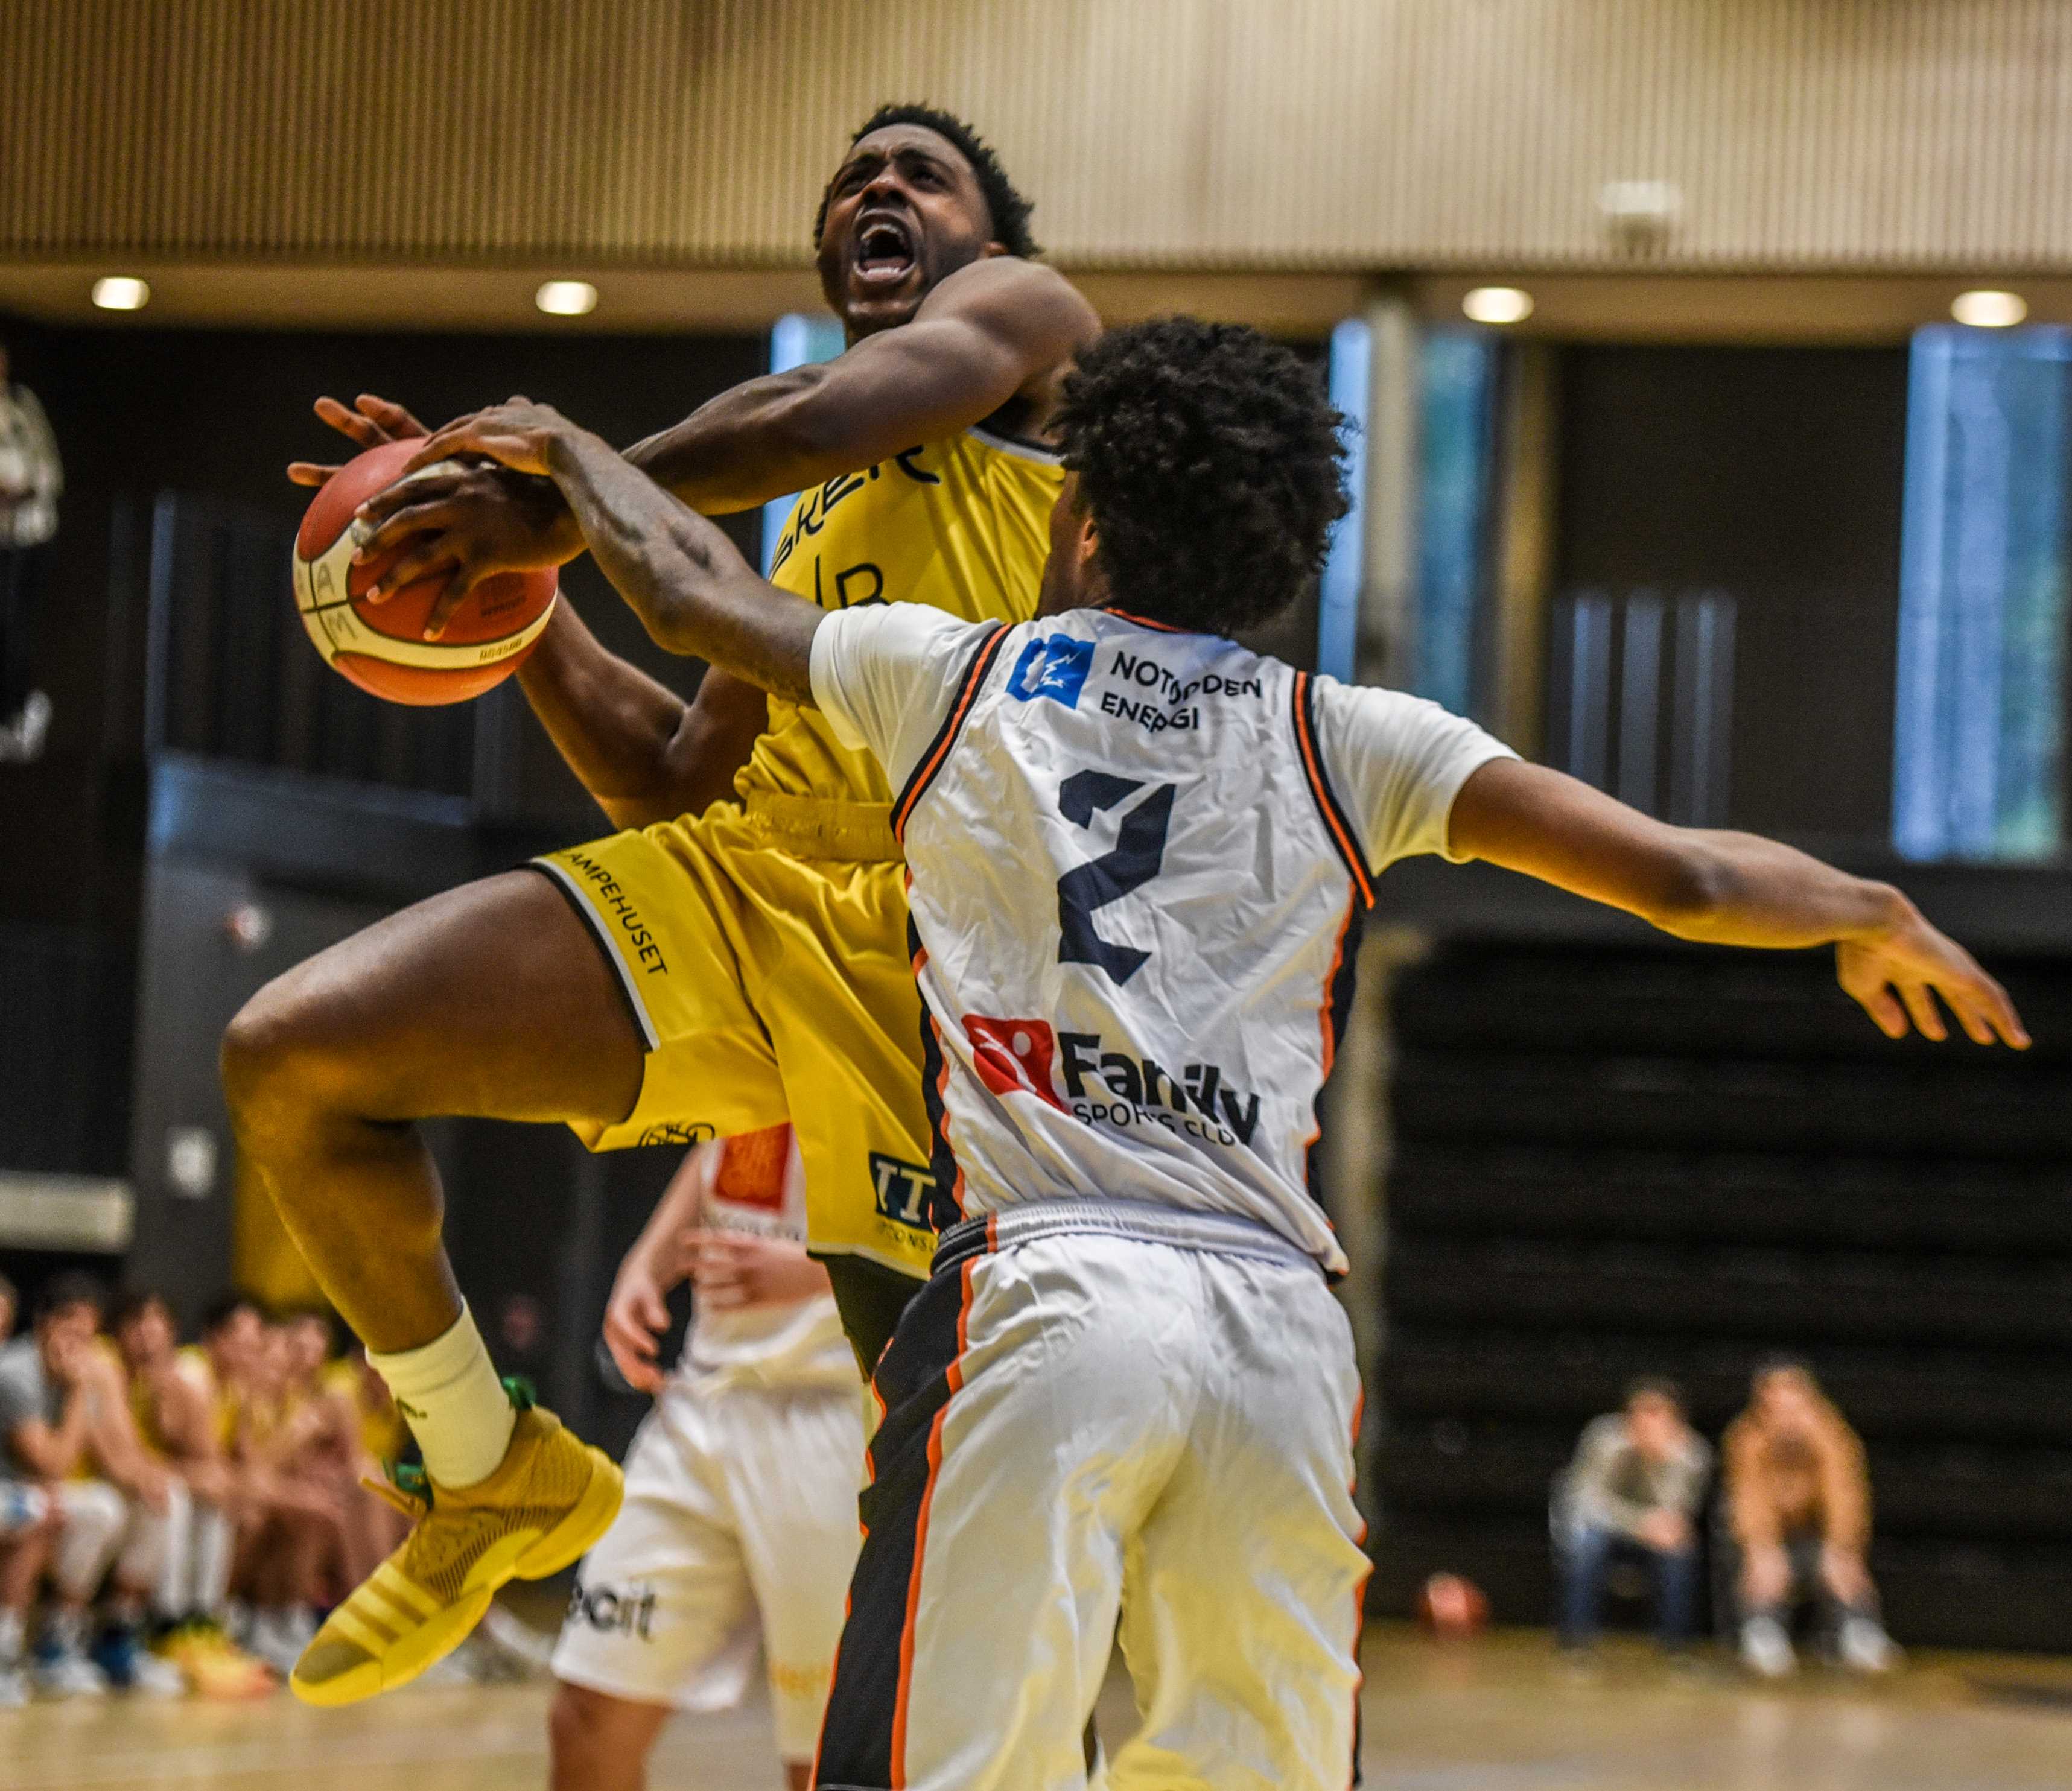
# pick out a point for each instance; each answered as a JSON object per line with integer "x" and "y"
{"x": 1621, "y": 1160}
{"x": 1775, "y": 475}
{"x": 219, "y": 414}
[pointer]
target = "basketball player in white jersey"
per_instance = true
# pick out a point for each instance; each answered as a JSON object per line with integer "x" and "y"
{"x": 739, "y": 1530}
{"x": 1139, "y": 854}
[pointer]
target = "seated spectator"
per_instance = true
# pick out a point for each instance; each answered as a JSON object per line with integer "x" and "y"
{"x": 335, "y": 1454}
{"x": 229, "y": 1373}
{"x": 65, "y": 1426}
{"x": 1633, "y": 1492}
{"x": 29, "y": 1527}
{"x": 290, "y": 1561}
{"x": 178, "y": 1424}
{"x": 1797, "y": 1518}
{"x": 385, "y": 1439}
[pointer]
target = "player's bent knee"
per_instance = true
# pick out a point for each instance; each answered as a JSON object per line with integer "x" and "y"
{"x": 284, "y": 1063}
{"x": 258, "y": 1061}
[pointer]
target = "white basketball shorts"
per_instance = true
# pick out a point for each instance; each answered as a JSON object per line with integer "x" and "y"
{"x": 739, "y": 1529}
{"x": 1094, "y": 1408}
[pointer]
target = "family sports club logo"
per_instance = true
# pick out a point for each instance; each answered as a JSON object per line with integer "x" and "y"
{"x": 1104, "y": 1087}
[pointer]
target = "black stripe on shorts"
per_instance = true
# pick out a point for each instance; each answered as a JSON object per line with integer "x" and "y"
{"x": 867, "y": 1701}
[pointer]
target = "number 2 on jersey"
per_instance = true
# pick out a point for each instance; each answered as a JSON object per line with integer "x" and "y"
{"x": 1139, "y": 848}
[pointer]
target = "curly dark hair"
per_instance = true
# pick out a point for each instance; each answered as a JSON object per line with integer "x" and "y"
{"x": 1009, "y": 209}
{"x": 1212, "y": 465}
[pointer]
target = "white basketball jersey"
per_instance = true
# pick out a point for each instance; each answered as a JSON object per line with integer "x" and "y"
{"x": 1138, "y": 859}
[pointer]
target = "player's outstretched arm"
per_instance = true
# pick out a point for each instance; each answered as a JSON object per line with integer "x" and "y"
{"x": 1731, "y": 888}
{"x": 987, "y": 333}
{"x": 688, "y": 583}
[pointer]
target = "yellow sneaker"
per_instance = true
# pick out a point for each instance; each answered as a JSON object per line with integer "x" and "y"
{"x": 215, "y": 1665}
{"x": 549, "y": 1499}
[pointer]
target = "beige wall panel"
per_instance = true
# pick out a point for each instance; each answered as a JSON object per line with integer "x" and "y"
{"x": 1214, "y": 134}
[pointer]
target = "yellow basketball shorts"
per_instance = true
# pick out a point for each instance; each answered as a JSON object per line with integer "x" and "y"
{"x": 764, "y": 955}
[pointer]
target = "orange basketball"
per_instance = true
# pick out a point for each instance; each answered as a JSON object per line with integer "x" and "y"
{"x": 1449, "y": 1605}
{"x": 381, "y": 646}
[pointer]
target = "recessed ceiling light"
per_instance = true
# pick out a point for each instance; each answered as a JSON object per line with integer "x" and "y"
{"x": 566, "y": 297}
{"x": 1987, "y": 310}
{"x": 1497, "y": 304}
{"x": 118, "y": 292}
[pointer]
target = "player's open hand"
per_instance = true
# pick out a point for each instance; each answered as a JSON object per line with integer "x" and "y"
{"x": 1897, "y": 974}
{"x": 370, "y": 422}
{"x": 733, "y": 1269}
{"x": 634, "y": 1319}
{"x": 516, "y": 433}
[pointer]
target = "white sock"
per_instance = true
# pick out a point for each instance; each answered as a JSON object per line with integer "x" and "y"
{"x": 172, "y": 1595}
{"x": 448, "y": 1395}
{"x": 12, "y": 1627}
{"x": 66, "y": 1631}
{"x": 215, "y": 1539}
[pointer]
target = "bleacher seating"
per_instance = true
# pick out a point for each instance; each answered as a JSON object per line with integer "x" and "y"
{"x": 1612, "y": 1161}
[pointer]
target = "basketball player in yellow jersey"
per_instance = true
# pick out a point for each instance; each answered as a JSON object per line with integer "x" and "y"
{"x": 178, "y": 1422}
{"x": 738, "y": 957}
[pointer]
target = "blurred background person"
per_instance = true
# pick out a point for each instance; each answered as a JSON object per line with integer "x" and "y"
{"x": 290, "y": 1560}
{"x": 177, "y": 1423}
{"x": 1633, "y": 1492}
{"x": 28, "y": 1528}
{"x": 66, "y": 1425}
{"x": 240, "y": 1372}
{"x": 31, "y": 476}
{"x": 740, "y": 1519}
{"x": 1798, "y": 1521}
{"x": 331, "y": 1454}
{"x": 219, "y": 1364}
{"x": 385, "y": 1439}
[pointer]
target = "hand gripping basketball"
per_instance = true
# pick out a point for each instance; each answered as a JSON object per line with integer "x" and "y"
{"x": 381, "y": 647}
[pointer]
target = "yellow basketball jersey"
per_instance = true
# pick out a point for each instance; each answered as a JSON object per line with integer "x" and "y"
{"x": 383, "y": 1436}
{"x": 194, "y": 1364}
{"x": 144, "y": 1408}
{"x": 962, "y": 524}
{"x": 265, "y": 1416}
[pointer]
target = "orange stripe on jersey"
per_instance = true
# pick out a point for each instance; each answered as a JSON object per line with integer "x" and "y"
{"x": 946, "y": 737}
{"x": 954, "y": 1374}
{"x": 1146, "y": 622}
{"x": 1327, "y": 803}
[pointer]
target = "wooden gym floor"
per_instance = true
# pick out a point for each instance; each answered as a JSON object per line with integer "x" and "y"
{"x": 1497, "y": 1715}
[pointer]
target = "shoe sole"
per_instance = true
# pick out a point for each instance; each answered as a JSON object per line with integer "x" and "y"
{"x": 514, "y": 1558}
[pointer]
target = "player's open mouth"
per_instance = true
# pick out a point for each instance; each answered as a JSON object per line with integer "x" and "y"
{"x": 884, "y": 250}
